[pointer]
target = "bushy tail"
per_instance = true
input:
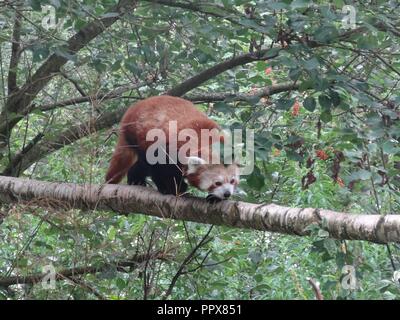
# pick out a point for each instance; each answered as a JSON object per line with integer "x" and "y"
{"x": 123, "y": 158}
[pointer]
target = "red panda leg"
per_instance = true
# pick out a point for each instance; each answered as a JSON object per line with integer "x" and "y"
{"x": 168, "y": 179}
{"x": 123, "y": 159}
{"x": 138, "y": 172}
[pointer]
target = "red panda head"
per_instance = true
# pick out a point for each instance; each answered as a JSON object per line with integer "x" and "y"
{"x": 218, "y": 180}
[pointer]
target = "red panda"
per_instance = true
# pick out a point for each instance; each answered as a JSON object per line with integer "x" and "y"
{"x": 131, "y": 155}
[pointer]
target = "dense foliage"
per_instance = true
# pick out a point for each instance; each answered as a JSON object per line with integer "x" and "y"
{"x": 329, "y": 139}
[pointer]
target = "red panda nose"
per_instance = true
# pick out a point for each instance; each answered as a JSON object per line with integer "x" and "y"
{"x": 227, "y": 194}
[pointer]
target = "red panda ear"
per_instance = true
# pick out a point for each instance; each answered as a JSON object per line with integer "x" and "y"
{"x": 193, "y": 163}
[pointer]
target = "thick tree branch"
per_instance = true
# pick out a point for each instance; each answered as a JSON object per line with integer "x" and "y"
{"x": 74, "y": 272}
{"x": 209, "y": 73}
{"x": 195, "y": 97}
{"x": 266, "y": 217}
{"x": 15, "y": 52}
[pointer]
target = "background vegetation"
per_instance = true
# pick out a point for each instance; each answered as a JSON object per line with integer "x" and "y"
{"x": 328, "y": 139}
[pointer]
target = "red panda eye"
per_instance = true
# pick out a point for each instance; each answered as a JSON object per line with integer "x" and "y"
{"x": 233, "y": 181}
{"x": 218, "y": 184}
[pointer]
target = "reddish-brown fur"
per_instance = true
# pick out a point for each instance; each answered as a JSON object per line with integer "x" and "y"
{"x": 152, "y": 113}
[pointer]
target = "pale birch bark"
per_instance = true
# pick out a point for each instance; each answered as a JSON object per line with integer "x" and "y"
{"x": 126, "y": 200}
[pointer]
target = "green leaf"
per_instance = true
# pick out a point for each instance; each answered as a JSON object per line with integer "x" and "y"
{"x": 297, "y": 4}
{"x": 257, "y": 79}
{"x": 295, "y": 73}
{"x": 271, "y": 53}
{"x": 311, "y": 64}
{"x": 256, "y": 180}
{"x": 329, "y": 244}
{"x": 262, "y": 287}
{"x": 306, "y": 85}
{"x": 309, "y": 104}
{"x": 260, "y": 66}
{"x": 277, "y": 5}
{"x": 335, "y": 98}
{"x": 325, "y": 102}
{"x": 319, "y": 82}
{"x": 111, "y": 233}
{"x": 22, "y": 262}
{"x": 327, "y": 13}
{"x": 390, "y": 147}
{"x": 222, "y": 107}
{"x": 55, "y": 3}
{"x": 292, "y": 155}
{"x": 326, "y": 34}
{"x": 361, "y": 174}
{"x": 285, "y": 104}
{"x": 36, "y": 5}
{"x": 367, "y": 43}
{"x": 121, "y": 284}
{"x": 258, "y": 277}
{"x": 116, "y": 65}
{"x": 43, "y": 244}
{"x": 99, "y": 65}
{"x": 376, "y": 133}
{"x": 40, "y": 54}
{"x": 326, "y": 116}
{"x": 323, "y": 233}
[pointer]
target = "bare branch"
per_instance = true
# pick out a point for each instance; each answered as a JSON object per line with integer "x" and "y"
{"x": 75, "y": 83}
{"x": 101, "y": 96}
{"x": 316, "y": 288}
{"x": 195, "y": 97}
{"x": 186, "y": 261}
{"x": 258, "y": 93}
{"x": 74, "y": 272}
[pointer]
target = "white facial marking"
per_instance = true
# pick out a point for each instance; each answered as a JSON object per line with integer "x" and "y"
{"x": 219, "y": 179}
{"x": 205, "y": 184}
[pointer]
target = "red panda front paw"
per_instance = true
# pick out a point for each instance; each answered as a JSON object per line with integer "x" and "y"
{"x": 213, "y": 199}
